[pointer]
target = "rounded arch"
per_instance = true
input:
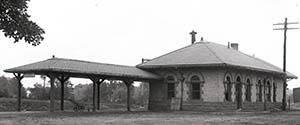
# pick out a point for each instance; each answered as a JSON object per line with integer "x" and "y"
{"x": 248, "y": 85}
{"x": 259, "y": 89}
{"x": 228, "y": 80}
{"x": 195, "y": 82}
{"x": 170, "y": 74}
{"x": 228, "y": 75}
{"x": 248, "y": 77}
{"x": 198, "y": 74}
{"x": 238, "y": 77}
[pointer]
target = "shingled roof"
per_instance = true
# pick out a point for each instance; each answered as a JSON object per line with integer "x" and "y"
{"x": 60, "y": 65}
{"x": 203, "y": 54}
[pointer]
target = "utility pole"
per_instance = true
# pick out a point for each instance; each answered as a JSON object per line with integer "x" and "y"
{"x": 285, "y": 28}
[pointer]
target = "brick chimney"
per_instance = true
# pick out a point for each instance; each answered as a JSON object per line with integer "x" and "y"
{"x": 145, "y": 60}
{"x": 193, "y": 35}
{"x": 235, "y": 46}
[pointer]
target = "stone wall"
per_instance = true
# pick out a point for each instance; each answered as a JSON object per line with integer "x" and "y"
{"x": 212, "y": 92}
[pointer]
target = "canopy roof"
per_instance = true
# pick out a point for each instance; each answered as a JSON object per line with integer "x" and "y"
{"x": 202, "y": 54}
{"x": 78, "y": 68}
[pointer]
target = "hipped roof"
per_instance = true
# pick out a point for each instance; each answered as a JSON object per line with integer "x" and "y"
{"x": 203, "y": 54}
{"x": 83, "y": 68}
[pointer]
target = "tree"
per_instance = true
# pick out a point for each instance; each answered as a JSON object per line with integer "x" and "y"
{"x": 42, "y": 93}
{"x": 39, "y": 92}
{"x": 4, "y": 86}
{"x": 13, "y": 88}
{"x": 15, "y": 23}
{"x": 9, "y": 87}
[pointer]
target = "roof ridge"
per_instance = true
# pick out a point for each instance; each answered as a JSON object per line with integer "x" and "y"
{"x": 166, "y": 54}
{"x": 90, "y": 62}
{"x": 214, "y": 53}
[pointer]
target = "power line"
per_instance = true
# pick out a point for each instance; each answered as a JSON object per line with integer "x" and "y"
{"x": 285, "y": 28}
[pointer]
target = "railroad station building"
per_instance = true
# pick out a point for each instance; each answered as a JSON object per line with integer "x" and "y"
{"x": 203, "y": 76}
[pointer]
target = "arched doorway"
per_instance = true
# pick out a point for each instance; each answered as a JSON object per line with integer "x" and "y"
{"x": 238, "y": 90}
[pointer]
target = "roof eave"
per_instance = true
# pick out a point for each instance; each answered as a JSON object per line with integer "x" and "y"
{"x": 211, "y": 65}
{"x": 59, "y": 71}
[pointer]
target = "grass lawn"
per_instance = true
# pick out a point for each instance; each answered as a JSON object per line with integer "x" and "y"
{"x": 149, "y": 118}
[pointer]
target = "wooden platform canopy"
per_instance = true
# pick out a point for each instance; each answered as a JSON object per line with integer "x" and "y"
{"x": 63, "y": 69}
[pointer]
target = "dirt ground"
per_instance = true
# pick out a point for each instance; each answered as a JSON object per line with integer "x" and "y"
{"x": 149, "y": 118}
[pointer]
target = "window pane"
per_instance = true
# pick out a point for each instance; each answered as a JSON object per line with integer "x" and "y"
{"x": 195, "y": 82}
{"x": 171, "y": 94}
{"x": 196, "y": 95}
{"x": 171, "y": 86}
{"x": 195, "y": 86}
{"x": 170, "y": 78}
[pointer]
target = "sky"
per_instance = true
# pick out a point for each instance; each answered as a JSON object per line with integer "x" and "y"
{"x": 125, "y": 31}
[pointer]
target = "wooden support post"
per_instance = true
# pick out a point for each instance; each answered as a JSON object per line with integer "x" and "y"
{"x": 98, "y": 93}
{"x": 51, "y": 95}
{"x": 62, "y": 96}
{"x": 95, "y": 81}
{"x": 128, "y": 84}
{"x": 19, "y": 77}
{"x": 98, "y": 96}
{"x": 94, "y": 94}
{"x": 62, "y": 80}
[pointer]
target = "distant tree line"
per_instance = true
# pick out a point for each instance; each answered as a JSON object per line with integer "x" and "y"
{"x": 41, "y": 92}
{"x": 112, "y": 91}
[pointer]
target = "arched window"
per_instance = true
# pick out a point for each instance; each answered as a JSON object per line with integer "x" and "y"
{"x": 274, "y": 91}
{"x": 238, "y": 92}
{"x": 227, "y": 87}
{"x": 171, "y": 86}
{"x": 196, "y": 91}
{"x": 259, "y": 91}
{"x": 248, "y": 90}
{"x": 268, "y": 91}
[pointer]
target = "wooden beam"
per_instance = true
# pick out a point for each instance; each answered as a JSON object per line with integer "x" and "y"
{"x": 62, "y": 96}
{"x": 94, "y": 94}
{"x": 94, "y": 79}
{"x": 19, "y": 77}
{"x": 51, "y": 95}
{"x": 128, "y": 84}
{"x": 62, "y": 80}
{"x": 98, "y": 95}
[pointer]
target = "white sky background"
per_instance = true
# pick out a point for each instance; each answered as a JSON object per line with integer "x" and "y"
{"x": 124, "y": 31}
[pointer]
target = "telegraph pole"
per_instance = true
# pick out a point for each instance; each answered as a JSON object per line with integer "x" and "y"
{"x": 285, "y": 28}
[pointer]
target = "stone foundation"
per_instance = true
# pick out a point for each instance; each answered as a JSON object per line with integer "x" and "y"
{"x": 195, "y": 105}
